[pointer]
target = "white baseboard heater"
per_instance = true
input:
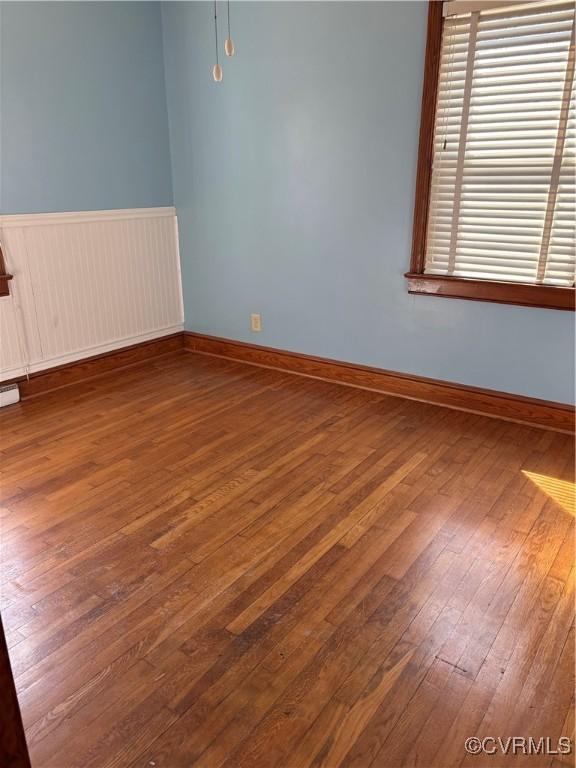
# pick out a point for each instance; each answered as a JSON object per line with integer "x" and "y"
{"x": 9, "y": 394}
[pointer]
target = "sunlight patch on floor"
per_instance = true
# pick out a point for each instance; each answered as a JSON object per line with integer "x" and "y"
{"x": 561, "y": 491}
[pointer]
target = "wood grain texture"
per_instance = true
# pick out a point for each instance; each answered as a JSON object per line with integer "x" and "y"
{"x": 90, "y": 367}
{"x": 211, "y": 564}
{"x": 539, "y": 413}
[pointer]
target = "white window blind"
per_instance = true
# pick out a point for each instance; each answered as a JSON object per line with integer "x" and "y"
{"x": 502, "y": 202}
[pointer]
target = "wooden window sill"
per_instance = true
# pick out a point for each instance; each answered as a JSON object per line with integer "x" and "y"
{"x": 523, "y": 294}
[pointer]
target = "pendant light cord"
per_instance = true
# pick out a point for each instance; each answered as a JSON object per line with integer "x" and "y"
{"x": 229, "y": 19}
{"x": 216, "y": 31}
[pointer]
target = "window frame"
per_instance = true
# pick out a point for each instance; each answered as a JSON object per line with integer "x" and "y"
{"x": 419, "y": 282}
{"x": 5, "y": 277}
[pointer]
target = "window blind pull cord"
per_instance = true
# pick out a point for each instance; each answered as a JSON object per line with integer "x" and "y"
{"x": 557, "y": 164}
{"x": 452, "y": 47}
{"x": 451, "y": 64}
{"x": 462, "y": 146}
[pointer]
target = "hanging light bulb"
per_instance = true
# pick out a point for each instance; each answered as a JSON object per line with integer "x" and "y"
{"x": 229, "y": 45}
{"x": 217, "y": 69}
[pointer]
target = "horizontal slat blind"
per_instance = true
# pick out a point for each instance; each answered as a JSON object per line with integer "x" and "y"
{"x": 502, "y": 202}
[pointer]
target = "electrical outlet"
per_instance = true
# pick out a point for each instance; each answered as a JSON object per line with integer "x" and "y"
{"x": 255, "y": 322}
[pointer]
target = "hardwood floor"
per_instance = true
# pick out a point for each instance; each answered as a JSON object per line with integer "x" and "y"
{"x": 211, "y": 564}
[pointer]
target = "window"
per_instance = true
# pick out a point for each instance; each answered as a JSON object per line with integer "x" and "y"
{"x": 495, "y": 202}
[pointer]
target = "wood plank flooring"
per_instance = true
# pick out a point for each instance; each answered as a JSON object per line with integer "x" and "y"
{"x": 210, "y": 564}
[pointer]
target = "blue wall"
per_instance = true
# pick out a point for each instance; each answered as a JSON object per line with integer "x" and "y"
{"x": 294, "y": 182}
{"x": 83, "y": 108}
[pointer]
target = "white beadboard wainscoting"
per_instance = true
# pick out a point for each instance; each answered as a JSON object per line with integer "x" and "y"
{"x": 87, "y": 283}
